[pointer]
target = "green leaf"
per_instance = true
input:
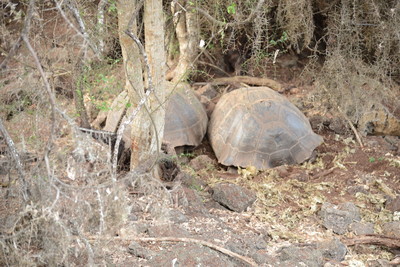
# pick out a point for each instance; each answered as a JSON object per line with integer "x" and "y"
{"x": 231, "y": 8}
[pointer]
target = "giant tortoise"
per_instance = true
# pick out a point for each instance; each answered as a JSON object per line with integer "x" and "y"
{"x": 261, "y": 128}
{"x": 185, "y": 117}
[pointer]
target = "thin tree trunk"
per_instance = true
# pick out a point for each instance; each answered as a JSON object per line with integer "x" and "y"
{"x": 155, "y": 49}
{"x": 134, "y": 79}
{"x": 187, "y": 32}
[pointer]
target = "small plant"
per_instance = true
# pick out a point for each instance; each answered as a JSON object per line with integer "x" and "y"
{"x": 231, "y": 8}
{"x": 113, "y": 7}
{"x": 281, "y": 40}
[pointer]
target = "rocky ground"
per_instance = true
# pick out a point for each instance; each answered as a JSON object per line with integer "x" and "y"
{"x": 341, "y": 210}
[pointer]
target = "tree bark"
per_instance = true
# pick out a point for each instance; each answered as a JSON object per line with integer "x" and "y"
{"x": 187, "y": 32}
{"x": 148, "y": 126}
{"x": 155, "y": 49}
{"x": 134, "y": 78}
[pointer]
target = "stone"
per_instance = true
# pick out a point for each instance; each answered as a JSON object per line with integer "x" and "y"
{"x": 177, "y": 217}
{"x": 304, "y": 256}
{"x": 391, "y": 229}
{"x": 339, "y": 218}
{"x": 393, "y": 205}
{"x": 201, "y": 162}
{"x": 233, "y": 197}
{"x": 167, "y": 229}
{"x": 339, "y": 126}
{"x": 332, "y": 249}
{"x": 191, "y": 181}
{"x": 362, "y": 228}
{"x": 353, "y": 190}
{"x": 183, "y": 254}
{"x": 139, "y": 251}
{"x": 191, "y": 202}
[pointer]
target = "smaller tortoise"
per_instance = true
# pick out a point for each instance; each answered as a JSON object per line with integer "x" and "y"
{"x": 261, "y": 128}
{"x": 185, "y": 118}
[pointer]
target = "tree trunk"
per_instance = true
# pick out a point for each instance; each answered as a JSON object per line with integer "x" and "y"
{"x": 144, "y": 136}
{"x": 155, "y": 49}
{"x": 134, "y": 78}
{"x": 187, "y": 32}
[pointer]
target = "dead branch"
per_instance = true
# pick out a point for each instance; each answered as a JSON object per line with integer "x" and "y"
{"x": 323, "y": 173}
{"x": 25, "y": 30}
{"x": 214, "y": 66}
{"x": 391, "y": 242}
{"x": 249, "y": 19}
{"x": 232, "y": 254}
{"x": 17, "y": 159}
{"x": 352, "y": 128}
{"x": 100, "y": 23}
{"x": 249, "y": 80}
{"x": 82, "y": 31}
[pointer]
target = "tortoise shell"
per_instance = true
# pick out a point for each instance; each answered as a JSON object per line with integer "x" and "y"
{"x": 185, "y": 118}
{"x": 261, "y": 128}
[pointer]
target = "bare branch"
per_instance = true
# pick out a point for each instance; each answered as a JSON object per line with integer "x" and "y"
{"x": 100, "y": 23}
{"x": 81, "y": 32}
{"x": 25, "y": 31}
{"x": 391, "y": 242}
{"x": 17, "y": 160}
{"x": 249, "y": 19}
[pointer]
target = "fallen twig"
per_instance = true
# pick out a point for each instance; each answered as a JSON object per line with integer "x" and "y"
{"x": 249, "y": 80}
{"x": 323, "y": 173}
{"x": 352, "y": 128}
{"x": 391, "y": 242}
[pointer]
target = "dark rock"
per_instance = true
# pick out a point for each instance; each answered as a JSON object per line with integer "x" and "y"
{"x": 132, "y": 217}
{"x": 339, "y": 218}
{"x": 234, "y": 197}
{"x": 304, "y": 256}
{"x": 332, "y": 250}
{"x": 391, "y": 229}
{"x": 191, "y": 202}
{"x": 140, "y": 227}
{"x": 362, "y": 228}
{"x": 167, "y": 230}
{"x": 191, "y": 181}
{"x": 282, "y": 170}
{"x": 393, "y": 205}
{"x": 184, "y": 254}
{"x": 177, "y": 217}
{"x": 357, "y": 189}
{"x": 318, "y": 122}
{"x": 262, "y": 257}
{"x": 247, "y": 242}
{"x": 339, "y": 126}
{"x": 201, "y": 162}
{"x": 137, "y": 250}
